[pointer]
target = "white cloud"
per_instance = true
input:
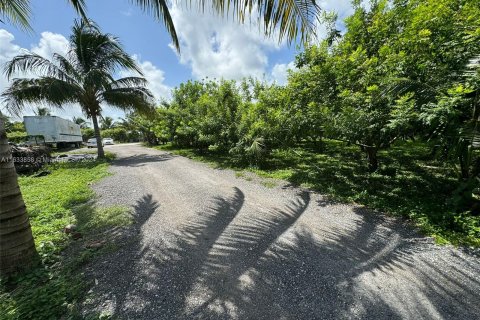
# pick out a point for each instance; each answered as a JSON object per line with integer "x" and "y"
{"x": 219, "y": 48}
{"x": 215, "y": 47}
{"x": 154, "y": 76}
{"x": 51, "y": 43}
{"x": 280, "y": 72}
{"x": 48, "y": 44}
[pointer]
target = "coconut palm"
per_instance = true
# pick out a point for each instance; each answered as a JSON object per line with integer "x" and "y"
{"x": 285, "y": 18}
{"x": 83, "y": 76}
{"x": 81, "y": 122}
{"x": 16, "y": 241}
{"x": 39, "y": 111}
{"x": 107, "y": 123}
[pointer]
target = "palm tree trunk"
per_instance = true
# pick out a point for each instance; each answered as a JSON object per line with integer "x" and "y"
{"x": 96, "y": 128}
{"x": 17, "y": 248}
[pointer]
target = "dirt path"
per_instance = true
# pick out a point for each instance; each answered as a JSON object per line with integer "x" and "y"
{"x": 209, "y": 245}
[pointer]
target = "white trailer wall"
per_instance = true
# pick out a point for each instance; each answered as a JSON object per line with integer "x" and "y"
{"x": 53, "y": 129}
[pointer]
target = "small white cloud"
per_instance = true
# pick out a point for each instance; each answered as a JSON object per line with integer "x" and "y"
{"x": 280, "y": 72}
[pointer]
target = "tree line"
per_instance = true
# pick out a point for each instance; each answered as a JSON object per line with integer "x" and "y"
{"x": 402, "y": 70}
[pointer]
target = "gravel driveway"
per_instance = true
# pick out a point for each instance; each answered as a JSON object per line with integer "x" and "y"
{"x": 209, "y": 245}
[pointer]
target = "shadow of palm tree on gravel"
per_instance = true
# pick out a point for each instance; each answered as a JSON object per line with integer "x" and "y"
{"x": 271, "y": 265}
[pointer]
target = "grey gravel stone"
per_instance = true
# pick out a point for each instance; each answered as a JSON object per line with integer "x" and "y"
{"x": 209, "y": 245}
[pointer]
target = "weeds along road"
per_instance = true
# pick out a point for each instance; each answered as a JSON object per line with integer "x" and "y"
{"x": 209, "y": 245}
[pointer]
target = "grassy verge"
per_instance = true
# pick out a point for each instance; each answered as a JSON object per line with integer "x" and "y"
{"x": 408, "y": 183}
{"x": 52, "y": 289}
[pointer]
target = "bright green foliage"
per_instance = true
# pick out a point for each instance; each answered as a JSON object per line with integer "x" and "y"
{"x": 87, "y": 133}
{"x": 142, "y": 127}
{"x": 15, "y": 130}
{"x": 51, "y": 199}
{"x": 244, "y": 120}
{"x": 202, "y": 114}
{"x": 117, "y": 134}
{"x": 394, "y": 59}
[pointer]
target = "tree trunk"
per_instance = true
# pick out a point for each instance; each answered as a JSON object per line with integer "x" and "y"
{"x": 17, "y": 248}
{"x": 372, "y": 158}
{"x": 96, "y": 128}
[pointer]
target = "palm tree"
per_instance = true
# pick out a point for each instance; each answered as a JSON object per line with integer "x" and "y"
{"x": 81, "y": 122}
{"x": 286, "y": 18}
{"x": 16, "y": 241}
{"x": 83, "y": 76}
{"x": 107, "y": 123}
{"x": 42, "y": 111}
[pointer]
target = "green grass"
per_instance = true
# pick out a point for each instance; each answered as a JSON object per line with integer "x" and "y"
{"x": 408, "y": 183}
{"x": 53, "y": 288}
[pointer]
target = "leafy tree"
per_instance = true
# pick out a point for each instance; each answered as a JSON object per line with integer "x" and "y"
{"x": 145, "y": 125}
{"x": 370, "y": 86}
{"x": 87, "y": 133}
{"x": 117, "y": 134}
{"x": 15, "y": 130}
{"x": 80, "y": 78}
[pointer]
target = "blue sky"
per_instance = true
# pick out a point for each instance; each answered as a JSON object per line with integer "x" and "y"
{"x": 211, "y": 46}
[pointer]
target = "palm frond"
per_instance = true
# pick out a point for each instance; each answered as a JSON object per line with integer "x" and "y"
{"x": 34, "y": 63}
{"x": 97, "y": 80}
{"x": 137, "y": 98}
{"x": 80, "y": 7}
{"x": 45, "y": 90}
{"x": 290, "y": 18}
{"x": 16, "y": 12}
{"x": 160, "y": 10}
{"x": 128, "y": 82}
{"x": 400, "y": 86}
{"x": 92, "y": 49}
{"x": 66, "y": 66}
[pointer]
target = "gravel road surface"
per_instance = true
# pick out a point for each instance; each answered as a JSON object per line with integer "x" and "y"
{"x": 209, "y": 245}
